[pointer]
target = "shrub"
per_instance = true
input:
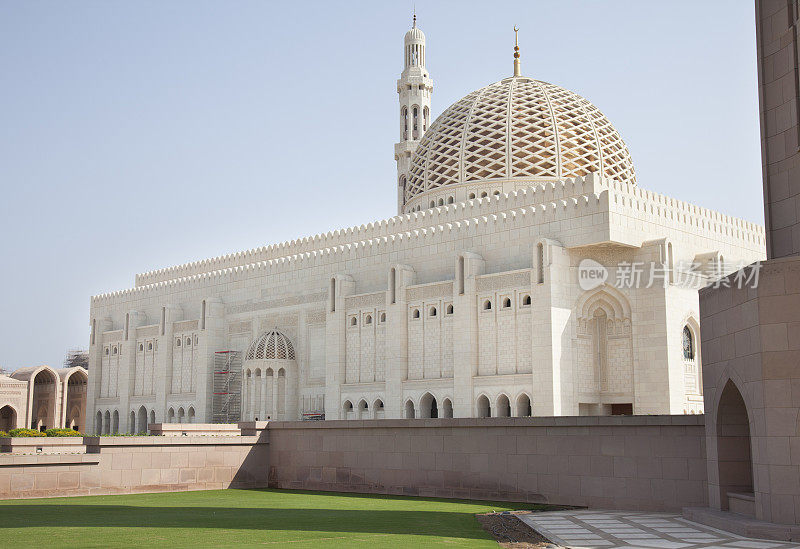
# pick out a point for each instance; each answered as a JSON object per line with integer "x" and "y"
{"x": 25, "y": 433}
{"x": 62, "y": 433}
{"x": 3, "y": 434}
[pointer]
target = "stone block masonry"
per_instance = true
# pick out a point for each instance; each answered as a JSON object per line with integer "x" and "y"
{"x": 123, "y": 465}
{"x": 638, "y": 463}
{"x": 618, "y": 462}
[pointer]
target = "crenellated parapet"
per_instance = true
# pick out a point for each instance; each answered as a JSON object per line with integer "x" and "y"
{"x": 625, "y": 196}
{"x": 646, "y": 205}
{"x": 535, "y": 194}
{"x": 491, "y": 220}
{"x": 524, "y": 208}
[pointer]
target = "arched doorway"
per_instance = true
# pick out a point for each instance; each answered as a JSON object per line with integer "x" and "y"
{"x": 484, "y": 409}
{"x": 428, "y": 406}
{"x": 347, "y": 410}
{"x": 447, "y": 408}
{"x": 74, "y": 419}
{"x": 734, "y": 456}
{"x": 142, "y": 425}
{"x": 523, "y": 405}
{"x": 45, "y": 388}
{"x": 410, "y": 410}
{"x": 377, "y": 409}
{"x": 75, "y": 404}
{"x": 503, "y": 406}
{"x": 8, "y": 418}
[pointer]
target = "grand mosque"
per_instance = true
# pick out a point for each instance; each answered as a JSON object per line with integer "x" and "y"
{"x": 470, "y": 302}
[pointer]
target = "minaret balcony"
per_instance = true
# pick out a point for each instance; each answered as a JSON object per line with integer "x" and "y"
{"x": 405, "y": 147}
{"x": 415, "y": 81}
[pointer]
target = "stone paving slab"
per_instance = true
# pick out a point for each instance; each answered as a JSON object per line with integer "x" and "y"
{"x": 616, "y": 529}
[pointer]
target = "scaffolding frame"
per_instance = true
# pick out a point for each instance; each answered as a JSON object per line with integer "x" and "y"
{"x": 226, "y": 406}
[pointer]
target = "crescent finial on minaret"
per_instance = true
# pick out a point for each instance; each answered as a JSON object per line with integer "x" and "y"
{"x": 516, "y": 52}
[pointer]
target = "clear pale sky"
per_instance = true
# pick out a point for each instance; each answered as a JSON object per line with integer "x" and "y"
{"x": 137, "y": 135}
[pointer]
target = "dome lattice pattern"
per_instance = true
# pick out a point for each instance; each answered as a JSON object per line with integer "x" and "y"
{"x": 518, "y": 128}
{"x": 271, "y": 345}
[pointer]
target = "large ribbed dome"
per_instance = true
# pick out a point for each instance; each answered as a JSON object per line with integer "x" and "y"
{"x": 518, "y": 128}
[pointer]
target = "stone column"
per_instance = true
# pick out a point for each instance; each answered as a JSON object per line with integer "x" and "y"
{"x": 274, "y": 414}
{"x": 552, "y": 303}
{"x": 163, "y": 366}
{"x": 302, "y": 362}
{"x": 29, "y": 407}
{"x": 660, "y": 386}
{"x": 127, "y": 365}
{"x": 62, "y": 416}
{"x": 212, "y": 339}
{"x": 465, "y": 331}
{"x": 95, "y": 359}
{"x": 291, "y": 395}
{"x": 127, "y": 369}
{"x": 396, "y": 367}
{"x": 340, "y": 286}
{"x": 262, "y": 415}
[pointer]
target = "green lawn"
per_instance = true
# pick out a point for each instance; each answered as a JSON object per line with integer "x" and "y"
{"x": 246, "y": 518}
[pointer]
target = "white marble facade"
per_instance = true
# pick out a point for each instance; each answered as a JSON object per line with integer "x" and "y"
{"x": 467, "y": 303}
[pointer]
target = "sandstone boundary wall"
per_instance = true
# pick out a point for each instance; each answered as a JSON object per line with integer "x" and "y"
{"x": 623, "y": 462}
{"x": 122, "y": 465}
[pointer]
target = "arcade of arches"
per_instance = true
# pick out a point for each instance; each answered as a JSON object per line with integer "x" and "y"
{"x": 42, "y": 398}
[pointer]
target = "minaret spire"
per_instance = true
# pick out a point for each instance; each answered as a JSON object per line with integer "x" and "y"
{"x": 414, "y": 89}
{"x": 516, "y": 52}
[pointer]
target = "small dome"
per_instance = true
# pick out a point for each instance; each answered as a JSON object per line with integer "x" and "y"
{"x": 415, "y": 35}
{"x": 518, "y": 128}
{"x": 271, "y": 345}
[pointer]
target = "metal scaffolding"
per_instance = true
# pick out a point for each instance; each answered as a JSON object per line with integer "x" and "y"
{"x": 227, "y": 402}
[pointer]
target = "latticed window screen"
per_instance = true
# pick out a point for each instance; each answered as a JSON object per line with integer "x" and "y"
{"x": 518, "y": 127}
{"x": 270, "y": 346}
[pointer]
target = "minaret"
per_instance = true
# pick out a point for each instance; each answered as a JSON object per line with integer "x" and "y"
{"x": 414, "y": 88}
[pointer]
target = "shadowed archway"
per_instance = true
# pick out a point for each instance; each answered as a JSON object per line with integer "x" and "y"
{"x": 8, "y": 418}
{"x": 733, "y": 446}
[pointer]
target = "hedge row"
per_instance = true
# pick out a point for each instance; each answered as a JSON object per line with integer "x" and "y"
{"x": 33, "y": 433}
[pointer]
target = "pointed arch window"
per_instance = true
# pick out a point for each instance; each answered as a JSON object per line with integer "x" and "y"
{"x": 688, "y": 344}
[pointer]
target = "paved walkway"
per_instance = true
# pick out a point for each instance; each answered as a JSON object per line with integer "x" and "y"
{"x": 612, "y": 529}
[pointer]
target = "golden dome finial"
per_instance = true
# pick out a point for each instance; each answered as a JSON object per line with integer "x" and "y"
{"x": 516, "y": 52}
